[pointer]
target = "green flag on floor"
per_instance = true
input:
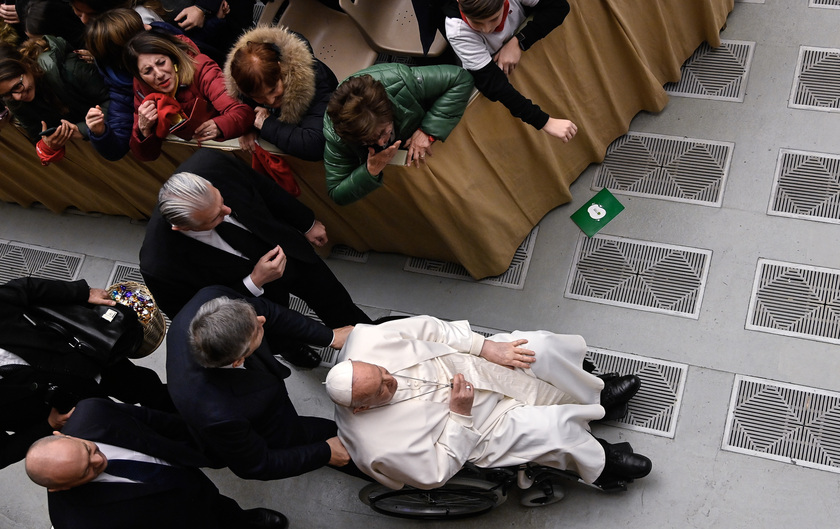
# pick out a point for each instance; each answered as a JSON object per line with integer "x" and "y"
{"x": 598, "y": 212}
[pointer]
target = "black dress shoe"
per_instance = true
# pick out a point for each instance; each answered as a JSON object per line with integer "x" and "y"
{"x": 624, "y": 447}
{"x": 300, "y": 355}
{"x": 619, "y": 390}
{"x": 622, "y": 463}
{"x": 263, "y": 519}
{"x": 615, "y": 412}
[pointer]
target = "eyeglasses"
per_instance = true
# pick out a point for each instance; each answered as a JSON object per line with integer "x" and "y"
{"x": 16, "y": 89}
{"x": 386, "y": 135}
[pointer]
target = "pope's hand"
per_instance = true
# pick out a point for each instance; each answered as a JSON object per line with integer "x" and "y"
{"x": 508, "y": 354}
{"x": 461, "y": 396}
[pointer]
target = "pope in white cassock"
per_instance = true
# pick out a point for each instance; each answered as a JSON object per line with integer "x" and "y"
{"x": 418, "y": 397}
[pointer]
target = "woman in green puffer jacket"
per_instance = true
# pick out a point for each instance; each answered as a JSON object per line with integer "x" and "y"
{"x": 382, "y": 108}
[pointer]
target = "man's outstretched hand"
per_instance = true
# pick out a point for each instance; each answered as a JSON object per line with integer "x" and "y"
{"x": 99, "y": 296}
{"x": 340, "y": 336}
{"x": 338, "y": 454}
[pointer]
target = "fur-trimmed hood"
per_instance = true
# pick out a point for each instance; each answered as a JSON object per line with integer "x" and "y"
{"x": 296, "y": 62}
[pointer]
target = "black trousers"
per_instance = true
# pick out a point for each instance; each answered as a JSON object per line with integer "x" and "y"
{"x": 315, "y": 284}
{"x": 134, "y": 384}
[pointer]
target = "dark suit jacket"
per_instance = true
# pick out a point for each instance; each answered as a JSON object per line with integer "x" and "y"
{"x": 175, "y": 266}
{"x": 180, "y": 497}
{"x": 52, "y": 360}
{"x": 46, "y": 350}
{"x": 244, "y": 417}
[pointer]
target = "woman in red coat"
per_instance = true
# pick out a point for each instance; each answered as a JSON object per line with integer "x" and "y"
{"x": 179, "y": 91}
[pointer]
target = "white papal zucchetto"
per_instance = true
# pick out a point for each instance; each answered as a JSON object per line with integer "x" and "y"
{"x": 340, "y": 383}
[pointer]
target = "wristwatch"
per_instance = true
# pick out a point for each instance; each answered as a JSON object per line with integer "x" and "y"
{"x": 520, "y": 38}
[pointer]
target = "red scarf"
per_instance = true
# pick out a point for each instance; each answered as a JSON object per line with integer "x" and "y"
{"x": 277, "y": 168}
{"x": 501, "y": 25}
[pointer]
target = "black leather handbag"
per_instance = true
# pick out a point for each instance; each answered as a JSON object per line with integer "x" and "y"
{"x": 106, "y": 334}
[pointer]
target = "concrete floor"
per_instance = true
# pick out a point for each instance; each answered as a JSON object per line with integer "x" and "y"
{"x": 694, "y": 482}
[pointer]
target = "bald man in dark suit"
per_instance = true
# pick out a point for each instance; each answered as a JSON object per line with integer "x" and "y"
{"x": 118, "y": 466}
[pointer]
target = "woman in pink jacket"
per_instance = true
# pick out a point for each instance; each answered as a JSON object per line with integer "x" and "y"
{"x": 178, "y": 90}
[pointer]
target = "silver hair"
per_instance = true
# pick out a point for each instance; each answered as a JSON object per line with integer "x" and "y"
{"x": 221, "y": 331}
{"x": 181, "y": 196}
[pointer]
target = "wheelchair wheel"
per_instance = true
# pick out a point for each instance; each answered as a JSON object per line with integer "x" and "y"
{"x": 457, "y": 498}
{"x": 543, "y": 492}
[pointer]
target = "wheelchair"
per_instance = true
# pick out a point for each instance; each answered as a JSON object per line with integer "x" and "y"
{"x": 474, "y": 491}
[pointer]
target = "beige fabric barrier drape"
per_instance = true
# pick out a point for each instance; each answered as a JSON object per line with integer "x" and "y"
{"x": 83, "y": 179}
{"x": 492, "y": 181}
{"x": 489, "y": 184}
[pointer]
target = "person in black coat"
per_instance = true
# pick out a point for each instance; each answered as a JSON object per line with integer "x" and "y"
{"x": 195, "y": 239}
{"x": 274, "y": 71}
{"x": 118, "y": 466}
{"x": 42, "y": 17}
{"x": 34, "y": 359}
{"x": 229, "y": 388}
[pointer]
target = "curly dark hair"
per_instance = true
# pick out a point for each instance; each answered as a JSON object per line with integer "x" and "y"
{"x": 357, "y": 107}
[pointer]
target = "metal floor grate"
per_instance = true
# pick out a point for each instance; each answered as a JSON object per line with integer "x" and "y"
{"x": 715, "y": 73}
{"x": 656, "y": 406}
{"x": 487, "y": 332}
{"x": 345, "y": 253}
{"x": 825, "y": 4}
{"x": 806, "y": 186}
{"x": 640, "y": 275}
{"x": 795, "y": 300}
{"x": 484, "y": 331}
{"x": 514, "y": 277}
{"x": 22, "y": 260}
{"x": 816, "y": 85}
{"x": 667, "y": 167}
{"x": 328, "y": 354}
{"x": 125, "y": 272}
{"x": 784, "y": 422}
